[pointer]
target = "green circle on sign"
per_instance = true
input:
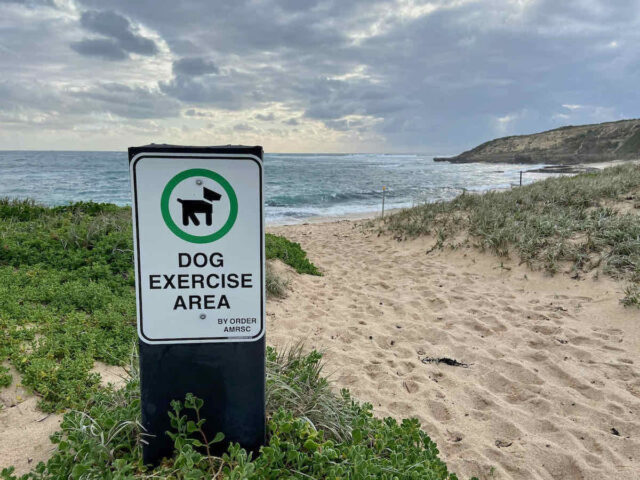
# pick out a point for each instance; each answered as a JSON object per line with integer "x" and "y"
{"x": 199, "y": 172}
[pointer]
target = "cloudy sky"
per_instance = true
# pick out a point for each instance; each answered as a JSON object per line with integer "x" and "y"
{"x": 433, "y": 76}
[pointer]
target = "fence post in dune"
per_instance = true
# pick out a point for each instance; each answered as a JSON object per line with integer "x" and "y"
{"x": 383, "y": 191}
{"x": 199, "y": 260}
{"x": 520, "y": 177}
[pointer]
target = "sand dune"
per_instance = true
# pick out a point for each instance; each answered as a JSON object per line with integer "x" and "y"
{"x": 24, "y": 428}
{"x": 552, "y": 390}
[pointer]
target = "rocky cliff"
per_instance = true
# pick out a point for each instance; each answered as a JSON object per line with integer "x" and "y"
{"x": 562, "y": 146}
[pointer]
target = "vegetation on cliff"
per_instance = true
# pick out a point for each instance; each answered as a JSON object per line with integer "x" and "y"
{"x": 566, "y": 145}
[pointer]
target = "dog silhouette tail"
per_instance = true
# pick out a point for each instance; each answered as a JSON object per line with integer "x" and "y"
{"x": 180, "y": 200}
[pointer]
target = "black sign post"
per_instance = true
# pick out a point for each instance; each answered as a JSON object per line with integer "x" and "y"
{"x": 200, "y": 289}
{"x": 228, "y": 377}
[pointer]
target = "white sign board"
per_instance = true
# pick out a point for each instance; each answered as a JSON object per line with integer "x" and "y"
{"x": 199, "y": 247}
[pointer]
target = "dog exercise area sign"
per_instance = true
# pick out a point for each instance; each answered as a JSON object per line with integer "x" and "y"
{"x": 199, "y": 252}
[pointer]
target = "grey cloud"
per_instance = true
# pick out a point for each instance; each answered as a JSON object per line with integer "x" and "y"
{"x": 240, "y": 25}
{"x": 192, "y": 112}
{"x": 425, "y": 85}
{"x": 345, "y": 124}
{"x": 194, "y": 66}
{"x": 129, "y": 102}
{"x": 18, "y": 96}
{"x": 121, "y": 38}
{"x": 242, "y": 127}
{"x": 219, "y": 91}
{"x": 63, "y": 109}
{"x": 100, "y": 47}
{"x": 31, "y": 3}
{"x": 291, "y": 121}
{"x": 335, "y": 99}
{"x": 107, "y": 23}
{"x": 266, "y": 118}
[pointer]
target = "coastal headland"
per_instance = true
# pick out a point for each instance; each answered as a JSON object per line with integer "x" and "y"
{"x": 568, "y": 145}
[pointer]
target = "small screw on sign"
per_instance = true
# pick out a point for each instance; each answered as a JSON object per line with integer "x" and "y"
{"x": 202, "y": 316}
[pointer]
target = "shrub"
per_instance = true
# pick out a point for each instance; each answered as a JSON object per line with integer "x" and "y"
{"x": 20, "y": 210}
{"x": 5, "y": 377}
{"x": 290, "y": 253}
{"x": 67, "y": 296}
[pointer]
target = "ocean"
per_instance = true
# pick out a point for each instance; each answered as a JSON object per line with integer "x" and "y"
{"x": 297, "y": 186}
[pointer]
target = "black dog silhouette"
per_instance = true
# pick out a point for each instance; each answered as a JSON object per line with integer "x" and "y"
{"x": 191, "y": 207}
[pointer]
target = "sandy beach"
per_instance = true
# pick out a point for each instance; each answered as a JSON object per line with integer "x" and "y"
{"x": 549, "y": 389}
{"x": 552, "y": 387}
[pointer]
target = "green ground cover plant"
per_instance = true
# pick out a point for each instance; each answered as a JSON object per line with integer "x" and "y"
{"x": 565, "y": 219}
{"x": 313, "y": 433}
{"x": 290, "y": 253}
{"x": 67, "y": 299}
{"x": 67, "y": 295}
{"x": 5, "y": 377}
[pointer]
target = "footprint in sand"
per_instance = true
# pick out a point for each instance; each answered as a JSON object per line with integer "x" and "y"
{"x": 439, "y": 411}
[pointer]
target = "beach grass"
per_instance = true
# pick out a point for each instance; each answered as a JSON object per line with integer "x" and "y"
{"x": 275, "y": 284}
{"x": 295, "y": 383}
{"x": 67, "y": 294}
{"x": 575, "y": 221}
